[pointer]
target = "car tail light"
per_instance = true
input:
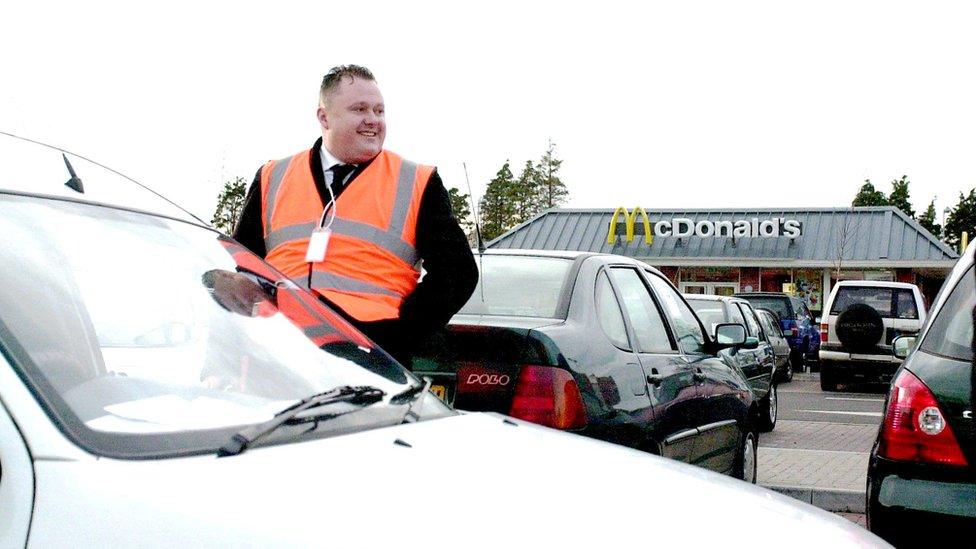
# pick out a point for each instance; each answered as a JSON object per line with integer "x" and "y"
{"x": 548, "y": 396}
{"x": 823, "y": 332}
{"x": 914, "y": 427}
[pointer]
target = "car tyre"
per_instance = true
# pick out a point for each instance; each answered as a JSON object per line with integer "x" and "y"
{"x": 827, "y": 381}
{"x": 747, "y": 458}
{"x": 798, "y": 360}
{"x": 787, "y": 374}
{"x": 859, "y": 328}
{"x": 768, "y": 410}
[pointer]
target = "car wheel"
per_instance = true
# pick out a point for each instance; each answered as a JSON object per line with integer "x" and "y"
{"x": 827, "y": 381}
{"x": 746, "y": 462}
{"x": 787, "y": 374}
{"x": 768, "y": 409}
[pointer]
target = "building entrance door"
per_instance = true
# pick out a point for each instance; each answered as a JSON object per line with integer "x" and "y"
{"x": 709, "y": 288}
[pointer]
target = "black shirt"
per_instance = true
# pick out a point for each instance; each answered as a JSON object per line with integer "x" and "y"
{"x": 451, "y": 273}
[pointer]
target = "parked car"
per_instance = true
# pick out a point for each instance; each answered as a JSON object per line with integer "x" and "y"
{"x": 781, "y": 349}
{"x": 922, "y": 472}
{"x": 287, "y": 427}
{"x": 756, "y": 360}
{"x": 601, "y": 345}
{"x": 861, "y": 318}
{"x": 799, "y": 326}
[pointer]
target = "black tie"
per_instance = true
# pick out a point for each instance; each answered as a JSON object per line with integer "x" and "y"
{"x": 339, "y": 174}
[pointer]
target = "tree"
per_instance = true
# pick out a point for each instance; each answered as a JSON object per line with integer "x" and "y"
{"x": 461, "y": 209}
{"x": 496, "y": 206}
{"x": 899, "y": 196}
{"x": 927, "y": 220}
{"x": 526, "y": 193}
{"x": 961, "y": 218}
{"x": 552, "y": 191}
{"x": 230, "y": 204}
{"x": 869, "y": 196}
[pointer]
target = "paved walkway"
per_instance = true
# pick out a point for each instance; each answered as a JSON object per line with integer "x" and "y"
{"x": 817, "y": 462}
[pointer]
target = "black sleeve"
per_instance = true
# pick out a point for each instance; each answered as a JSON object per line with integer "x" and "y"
{"x": 250, "y": 228}
{"x": 451, "y": 272}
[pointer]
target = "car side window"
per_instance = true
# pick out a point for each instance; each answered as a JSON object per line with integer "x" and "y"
{"x": 649, "y": 327}
{"x": 687, "y": 329}
{"x": 608, "y": 311}
{"x": 751, "y": 323}
{"x": 735, "y": 315}
{"x": 906, "y": 306}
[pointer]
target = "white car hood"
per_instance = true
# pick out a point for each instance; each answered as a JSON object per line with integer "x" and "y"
{"x": 474, "y": 480}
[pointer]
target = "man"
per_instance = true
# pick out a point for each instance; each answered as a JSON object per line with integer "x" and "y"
{"x": 351, "y": 220}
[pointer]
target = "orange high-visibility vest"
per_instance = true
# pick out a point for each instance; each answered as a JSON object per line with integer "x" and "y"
{"x": 319, "y": 324}
{"x": 369, "y": 265}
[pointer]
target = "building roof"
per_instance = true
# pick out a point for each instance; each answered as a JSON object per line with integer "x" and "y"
{"x": 866, "y": 237}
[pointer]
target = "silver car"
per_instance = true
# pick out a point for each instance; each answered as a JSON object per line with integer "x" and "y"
{"x": 162, "y": 387}
{"x": 781, "y": 348}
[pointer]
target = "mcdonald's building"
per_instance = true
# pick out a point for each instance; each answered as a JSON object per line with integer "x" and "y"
{"x": 803, "y": 251}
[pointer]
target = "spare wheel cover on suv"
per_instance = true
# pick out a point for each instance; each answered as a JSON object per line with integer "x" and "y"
{"x": 859, "y": 328}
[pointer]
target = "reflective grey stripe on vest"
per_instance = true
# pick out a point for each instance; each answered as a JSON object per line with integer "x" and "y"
{"x": 346, "y": 284}
{"x": 274, "y": 185}
{"x": 323, "y": 328}
{"x": 390, "y": 239}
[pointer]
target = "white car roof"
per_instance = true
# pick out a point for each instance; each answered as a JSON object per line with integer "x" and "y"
{"x": 877, "y": 284}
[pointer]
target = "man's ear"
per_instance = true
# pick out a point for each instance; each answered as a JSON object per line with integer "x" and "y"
{"x": 323, "y": 118}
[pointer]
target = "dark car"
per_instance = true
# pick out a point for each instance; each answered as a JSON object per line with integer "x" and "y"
{"x": 921, "y": 483}
{"x": 602, "y": 345}
{"x": 756, "y": 360}
{"x": 799, "y": 326}
{"x": 774, "y": 333}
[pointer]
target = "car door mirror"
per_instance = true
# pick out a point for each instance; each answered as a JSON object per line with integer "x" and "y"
{"x": 901, "y": 346}
{"x": 730, "y": 335}
{"x": 750, "y": 343}
{"x": 816, "y": 320}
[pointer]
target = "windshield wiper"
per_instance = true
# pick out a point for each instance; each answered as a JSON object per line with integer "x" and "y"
{"x": 363, "y": 396}
{"x": 410, "y": 395}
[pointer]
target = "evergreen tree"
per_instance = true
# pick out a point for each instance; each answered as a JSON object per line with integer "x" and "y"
{"x": 869, "y": 196}
{"x": 961, "y": 218}
{"x": 900, "y": 197}
{"x": 496, "y": 206}
{"x": 552, "y": 191}
{"x": 927, "y": 220}
{"x": 526, "y": 194}
{"x": 461, "y": 209}
{"x": 230, "y": 204}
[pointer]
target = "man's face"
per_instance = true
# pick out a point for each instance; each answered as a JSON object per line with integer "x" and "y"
{"x": 353, "y": 121}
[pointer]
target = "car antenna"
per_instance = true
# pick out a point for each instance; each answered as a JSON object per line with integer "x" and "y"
{"x": 474, "y": 208}
{"x": 75, "y": 181}
{"x": 74, "y": 178}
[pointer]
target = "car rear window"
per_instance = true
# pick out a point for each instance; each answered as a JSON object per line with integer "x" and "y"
{"x": 780, "y": 306}
{"x": 710, "y": 313}
{"x": 518, "y": 286}
{"x": 951, "y": 333}
{"x": 889, "y": 302}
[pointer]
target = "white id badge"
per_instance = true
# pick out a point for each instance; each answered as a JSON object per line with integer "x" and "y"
{"x": 317, "y": 245}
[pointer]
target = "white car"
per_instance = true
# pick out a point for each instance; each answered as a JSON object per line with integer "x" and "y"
{"x": 860, "y": 319}
{"x": 273, "y": 422}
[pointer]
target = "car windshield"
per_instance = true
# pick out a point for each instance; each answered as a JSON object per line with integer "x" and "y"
{"x": 951, "y": 332}
{"x": 518, "y": 286}
{"x": 148, "y": 336}
{"x": 889, "y": 302}
{"x": 780, "y": 306}
{"x": 710, "y": 312}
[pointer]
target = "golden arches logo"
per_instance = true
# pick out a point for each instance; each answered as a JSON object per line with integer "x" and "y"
{"x": 630, "y": 218}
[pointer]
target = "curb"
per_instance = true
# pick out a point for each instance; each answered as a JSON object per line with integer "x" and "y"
{"x": 835, "y": 501}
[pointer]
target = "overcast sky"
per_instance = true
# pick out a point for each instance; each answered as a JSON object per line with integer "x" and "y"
{"x": 658, "y": 104}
